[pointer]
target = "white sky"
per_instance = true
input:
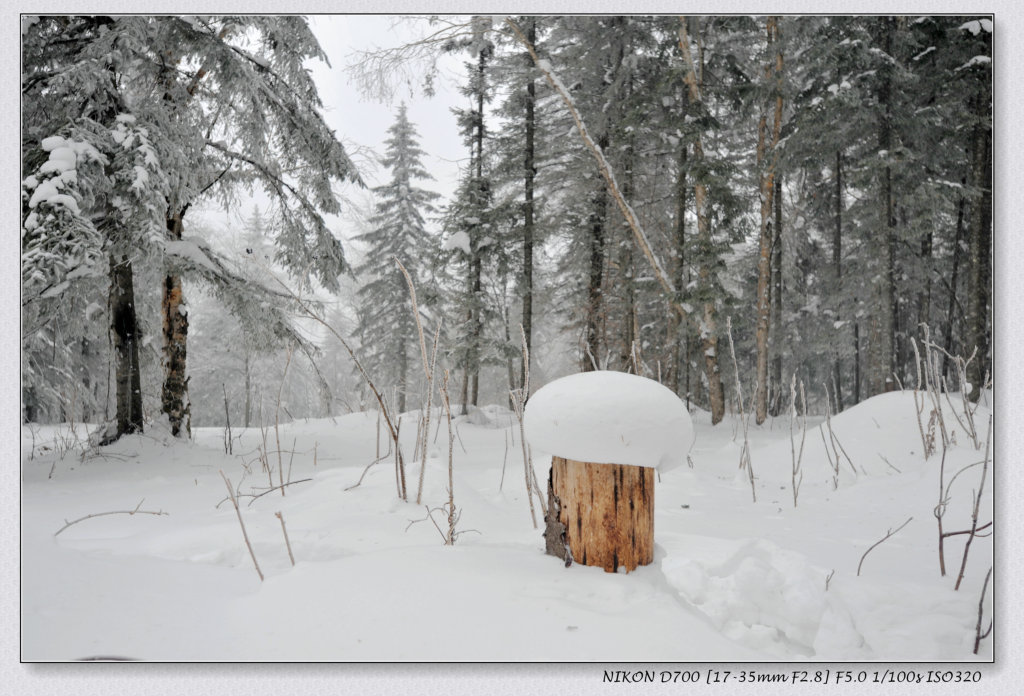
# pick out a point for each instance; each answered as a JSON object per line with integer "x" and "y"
{"x": 361, "y": 122}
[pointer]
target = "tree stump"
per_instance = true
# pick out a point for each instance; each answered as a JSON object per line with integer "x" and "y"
{"x": 606, "y": 511}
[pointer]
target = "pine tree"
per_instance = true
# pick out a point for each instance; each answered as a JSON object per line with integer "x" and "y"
{"x": 386, "y": 329}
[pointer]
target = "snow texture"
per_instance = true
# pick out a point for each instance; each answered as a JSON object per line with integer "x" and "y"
{"x": 732, "y": 580}
{"x": 458, "y": 240}
{"x": 610, "y": 418}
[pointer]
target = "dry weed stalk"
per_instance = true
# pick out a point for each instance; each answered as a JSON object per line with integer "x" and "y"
{"x": 977, "y": 505}
{"x": 245, "y": 534}
{"x": 943, "y": 505}
{"x": 428, "y": 371}
{"x": 448, "y": 509}
{"x": 452, "y": 516}
{"x": 888, "y": 534}
{"x": 228, "y": 449}
{"x": 287, "y": 542}
{"x": 384, "y": 411}
{"x": 519, "y": 397}
{"x": 797, "y": 473}
{"x": 745, "y": 462}
{"x": 978, "y": 635}
{"x": 277, "y": 418}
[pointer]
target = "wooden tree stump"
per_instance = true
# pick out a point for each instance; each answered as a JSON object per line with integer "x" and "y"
{"x": 606, "y": 512}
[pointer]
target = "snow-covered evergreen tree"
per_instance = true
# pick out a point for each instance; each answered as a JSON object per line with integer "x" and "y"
{"x": 148, "y": 115}
{"x": 387, "y": 329}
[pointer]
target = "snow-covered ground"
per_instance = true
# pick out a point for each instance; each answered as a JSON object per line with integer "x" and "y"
{"x": 733, "y": 580}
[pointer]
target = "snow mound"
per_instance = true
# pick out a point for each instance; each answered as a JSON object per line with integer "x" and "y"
{"x": 775, "y": 601}
{"x": 761, "y": 596}
{"x": 610, "y": 418}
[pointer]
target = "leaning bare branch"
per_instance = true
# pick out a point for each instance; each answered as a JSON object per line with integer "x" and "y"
{"x": 887, "y": 535}
{"x": 745, "y": 462}
{"x": 245, "y": 534}
{"x": 271, "y": 490}
{"x": 606, "y": 171}
{"x": 136, "y": 511}
{"x": 368, "y": 466}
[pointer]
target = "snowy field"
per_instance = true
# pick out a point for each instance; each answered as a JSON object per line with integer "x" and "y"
{"x": 733, "y": 580}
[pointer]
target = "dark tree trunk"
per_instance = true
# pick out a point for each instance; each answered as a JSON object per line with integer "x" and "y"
{"x": 856, "y": 362}
{"x": 598, "y": 214}
{"x": 174, "y": 395}
{"x": 125, "y": 330}
{"x": 837, "y": 266}
{"x": 953, "y": 278}
{"x": 677, "y": 326}
{"x": 776, "y": 296}
{"x": 979, "y": 258}
{"x": 529, "y": 172}
{"x": 883, "y": 319}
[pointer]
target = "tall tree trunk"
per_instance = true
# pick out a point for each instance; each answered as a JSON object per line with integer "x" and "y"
{"x": 175, "y": 329}
{"x": 776, "y": 295}
{"x": 767, "y": 163}
{"x": 856, "y": 362}
{"x": 476, "y": 262}
{"x": 979, "y": 259}
{"x": 630, "y": 329}
{"x": 883, "y": 317}
{"x": 598, "y": 215}
{"x": 837, "y": 267}
{"x": 125, "y": 331}
{"x": 529, "y": 174}
{"x": 953, "y": 278}
{"x": 924, "y": 298}
{"x": 709, "y": 328}
{"x": 677, "y": 327}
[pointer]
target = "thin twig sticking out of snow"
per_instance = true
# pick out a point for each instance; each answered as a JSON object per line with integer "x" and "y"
{"x": 519, "y": 397}
{"x": 977, "y": 505}
{"x": 798, "y": 474}
{"x": 277, "y": 419}
{"x": 978, "y": 635}
{"x": 245, "y": 535}
{"x": 136, "y": 511}
{"x": 887, "y": 535}
{"x": 745, "y": 452}
{"x": 287, "y": 543}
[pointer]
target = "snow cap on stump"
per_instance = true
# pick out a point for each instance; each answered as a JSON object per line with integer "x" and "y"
{"x": 610, "y": 417}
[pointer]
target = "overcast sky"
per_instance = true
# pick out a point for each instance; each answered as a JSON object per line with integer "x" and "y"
{"x": 361, "y": 122}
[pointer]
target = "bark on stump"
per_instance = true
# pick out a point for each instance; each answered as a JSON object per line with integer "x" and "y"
{"x": 607, "y": 512}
